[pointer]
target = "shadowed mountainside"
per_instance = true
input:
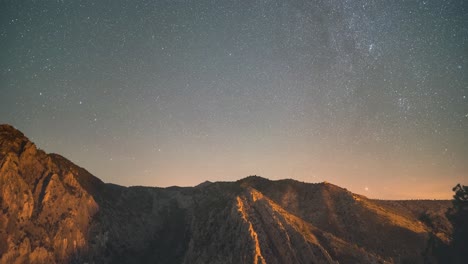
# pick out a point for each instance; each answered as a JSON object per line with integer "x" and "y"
{"x": 53, "y": 211}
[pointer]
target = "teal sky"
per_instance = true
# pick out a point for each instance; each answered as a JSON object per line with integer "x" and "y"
{"x": 369, "y": 95}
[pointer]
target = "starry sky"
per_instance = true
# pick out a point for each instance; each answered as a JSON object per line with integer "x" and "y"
{"x": 369, "y": 95}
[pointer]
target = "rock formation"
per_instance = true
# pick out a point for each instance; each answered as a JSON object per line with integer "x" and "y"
{"x": 52, "y": 211}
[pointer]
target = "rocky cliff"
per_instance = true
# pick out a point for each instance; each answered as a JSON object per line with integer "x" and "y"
{"x": 53, "y": 211}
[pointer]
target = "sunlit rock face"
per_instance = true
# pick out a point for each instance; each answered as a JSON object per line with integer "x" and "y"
{"x": 46, "y": 213}
{"x": 53, "y": 211}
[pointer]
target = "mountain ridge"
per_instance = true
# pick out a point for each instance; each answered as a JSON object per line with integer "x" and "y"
{"x": 53, "y": 211}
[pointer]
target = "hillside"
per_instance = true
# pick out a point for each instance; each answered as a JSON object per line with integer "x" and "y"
{"x": 53, "y": 211}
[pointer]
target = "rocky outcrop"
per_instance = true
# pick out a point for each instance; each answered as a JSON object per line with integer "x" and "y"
{"x": 53, "y": 211}
{"x": 45, "y": 212}
{"x": 379, "y": 227}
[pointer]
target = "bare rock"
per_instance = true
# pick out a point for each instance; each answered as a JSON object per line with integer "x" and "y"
{"x": 52, "y": 211}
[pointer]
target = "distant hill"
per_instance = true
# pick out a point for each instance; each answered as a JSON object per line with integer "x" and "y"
{"x": 52, "y": 211}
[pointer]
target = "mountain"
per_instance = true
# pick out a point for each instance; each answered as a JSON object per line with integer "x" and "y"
{"x": 53, "y": 211}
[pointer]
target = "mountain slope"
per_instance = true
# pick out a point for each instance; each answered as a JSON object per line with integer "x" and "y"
{"x": 53, "y": 211}
{"x": 378, "y": 226}
{"x": 46, "y": 211}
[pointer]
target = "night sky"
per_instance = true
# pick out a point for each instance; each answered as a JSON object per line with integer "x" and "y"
{"x": 369, "y": 95}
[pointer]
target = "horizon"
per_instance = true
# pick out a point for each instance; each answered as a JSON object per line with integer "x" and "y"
{"x": 371, "y": 96}
{"x": 359, "y": 192}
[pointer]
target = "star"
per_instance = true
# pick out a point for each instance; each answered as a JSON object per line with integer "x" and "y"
{"x": 241, "y": 89}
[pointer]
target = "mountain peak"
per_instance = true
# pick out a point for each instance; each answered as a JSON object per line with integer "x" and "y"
{"x": 13, "y": 141}
{"x": 9, "y": 134}
{"x": 8, "y": 127}
{"x": 203, "y": 184}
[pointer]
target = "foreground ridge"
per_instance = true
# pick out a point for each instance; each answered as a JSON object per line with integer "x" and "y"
{"x": 53, "y": 211}
{"x": 258, "y": 253}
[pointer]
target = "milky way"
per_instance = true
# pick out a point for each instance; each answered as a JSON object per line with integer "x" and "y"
{"x": 368, "y": 95}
